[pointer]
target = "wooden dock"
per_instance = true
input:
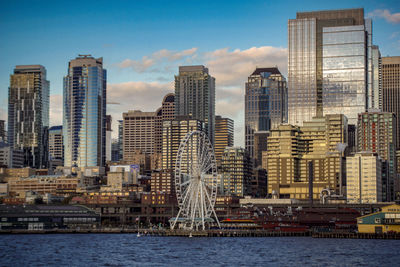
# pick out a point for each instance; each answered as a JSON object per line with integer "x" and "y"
{"x": 208, "y": 233}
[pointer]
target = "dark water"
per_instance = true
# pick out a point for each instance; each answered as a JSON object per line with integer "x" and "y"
{"x": 128, "y": 250}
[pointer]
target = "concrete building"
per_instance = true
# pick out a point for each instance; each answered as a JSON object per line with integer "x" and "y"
{"x": 56, "y": 147}
{"x": 84, "y": 116}
{"x": 52, "y": 184}
{"x": 291, "y": 149}
{"x": 121, "y": 176}
{"x": 173, "y": 132}
{"x": 9, "y": 157}
{"x": 330, "y": 68}
{"x": 138, "y": 132}
{"x": 391, "y": 90}
{"x": 391, "y": 100}
{"x": 364, "y": 178}
{"x": 265, "y": 103}
{"x": 236, "y": 171}
{"x": 224, "y": 137}
{"x": 376, "y": 132}
{"x": 195, "y": 96}
{"x": 28, "y": 114}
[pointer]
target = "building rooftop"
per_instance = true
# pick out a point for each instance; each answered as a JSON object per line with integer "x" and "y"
{"x": 273, "y": 70}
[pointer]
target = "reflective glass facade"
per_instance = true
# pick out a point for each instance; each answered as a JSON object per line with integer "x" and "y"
{"x": 84, "y": 117}
{"x": 344, "y": 71}
{"x": 330, "y": 65}
{"x": 28, "y": 114}
{"x": 265, "y": 103}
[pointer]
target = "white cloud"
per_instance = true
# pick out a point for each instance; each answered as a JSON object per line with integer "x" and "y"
{"x": 386, "y": 14}
{"x": 144, "y": 96}
{"x": 56, "y": 110}
{"x": 145, "y": 64}
{"x": 231, "y": 68}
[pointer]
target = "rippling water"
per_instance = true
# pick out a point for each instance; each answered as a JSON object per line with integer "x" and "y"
{"x": 128, "y": 250}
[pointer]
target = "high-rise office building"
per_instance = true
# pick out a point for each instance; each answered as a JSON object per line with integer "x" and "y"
{"x": 138, "y": 133}
{"x": 195, "y": 96}
{"x": 236, "y": 171}
{"x": 223, "y": 136}
{"x": 84, "y": 119}
{"x": 364, "y": 178}
{"x": 391, "y": 89}
{"x": 330, "y": 64}
{"x": 28, "y": 114}
{"x": 172, "y": 134}
{"x": 376, "y": 133}
{"x": 292, "y": 148}
{"x": 265, "y": 103}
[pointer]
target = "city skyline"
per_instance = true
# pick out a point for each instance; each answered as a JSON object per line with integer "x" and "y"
{"x": 143, "y": 69}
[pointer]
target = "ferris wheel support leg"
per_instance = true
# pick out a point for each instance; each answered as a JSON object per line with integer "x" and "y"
{"x": 202, "y": 205}
{"x": 212, "y": 208}
{"x": 196, "y": 195}
{"x": 180, "y": 210}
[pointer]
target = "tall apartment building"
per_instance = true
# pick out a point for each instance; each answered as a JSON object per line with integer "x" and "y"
{"x": 84, "y": 117}
{"x": 224, "y": 136}
{"x": 291, "y": 148}
{"x": 265, "y": 103}
{"x": 376, "y": 132}
{"x": 138, "y": 133}
{"x": 28, "y": 114}
{"x": 56, "y": 147}
{"x": 330, "y": 68}
{"x": 195, "y": 96}
{"x": 391, "y": 90}
{"x": 364, "y": 178}
{"x": 173, "y": 132}
{"x": 236, "y": 171}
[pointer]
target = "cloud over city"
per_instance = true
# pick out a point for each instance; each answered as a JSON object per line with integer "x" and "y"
{"x": 386, "y": 14}
{"x": 230, "y": 68}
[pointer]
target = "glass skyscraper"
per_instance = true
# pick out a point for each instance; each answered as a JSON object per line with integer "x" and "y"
{"x": 84, "y": 118}
{"x": 330, "y": 65}
{"x": 265, "y": 103}
{"x": 28, "y": 114}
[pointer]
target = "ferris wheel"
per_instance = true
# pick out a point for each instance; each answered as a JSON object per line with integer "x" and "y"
{"x": 195, "y": 181}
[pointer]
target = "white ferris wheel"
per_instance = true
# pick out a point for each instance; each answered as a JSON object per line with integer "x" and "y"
{"x": 195, "y": 181}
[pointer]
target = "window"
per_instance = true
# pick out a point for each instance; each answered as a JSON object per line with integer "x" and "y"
{"x": 377, "y": 220}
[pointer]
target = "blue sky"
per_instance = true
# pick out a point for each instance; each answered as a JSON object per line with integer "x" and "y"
{"x": 143, "y": 43}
